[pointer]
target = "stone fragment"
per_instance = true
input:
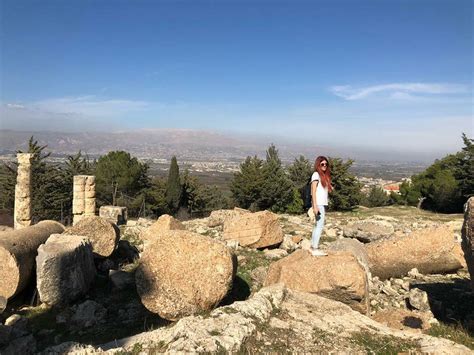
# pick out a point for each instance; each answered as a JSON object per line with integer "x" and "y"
{"x": 3, "y": 304}
{"x": 64, "y": 269}
{"x": 18, "y": 250}
{"x": 431, "y": 250}
{"x": 467, "y": 235}
{"x": 218, "y": 218}
{"x": 418, "y": 299}
{"x": 288, "y": 244}
{"x": 183, "y": 273}
{"x": 368, "y": 230}
{"x": 356, "y": 248}
{"x": 83, "y": 204}
{"x": 254, "y": 230}
{"x": 102, "y": 234}
{"x": 275, "y": 253}
{"x": 305, "y": 244}
{"x": 114, "y": 214}
{"x": 338, "y": 276}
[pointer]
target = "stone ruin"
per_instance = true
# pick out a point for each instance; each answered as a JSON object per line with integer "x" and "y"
{"x": 115, "y": 214}
{"x": 83, "y": 204}
{"x": 23, "y": 190}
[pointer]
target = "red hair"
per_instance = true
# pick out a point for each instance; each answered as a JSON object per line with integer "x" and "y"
{"x": 325, "y": 176}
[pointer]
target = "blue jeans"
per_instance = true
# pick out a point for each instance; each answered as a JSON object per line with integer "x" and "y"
{"x": 318, "y": 228}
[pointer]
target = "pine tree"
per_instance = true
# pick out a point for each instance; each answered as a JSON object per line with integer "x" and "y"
{"x": 173, "y": 187}
{"x": 277, "y": 192}
{"x": 376, "y": 197}
{"x": 300, "y": 172}
{"x": 247, "y": 183}
{"x": 346, "y": 194}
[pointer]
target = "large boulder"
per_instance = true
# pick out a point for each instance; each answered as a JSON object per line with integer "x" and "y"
{"x": 163, "y": 224}
{"x": 102, "y": 234}
{"x": 64, "y": 269}
{"x": 368, "y": 230}
{"x": 338, "y": 276}
{"x": 254, "y": 230}
{"x": 219, "y": 217}
{"x": 356, "y": 248}
{"x": 431, "y": 251}
{"x": 467, "y": 235}
{"x": 183, "y": 273}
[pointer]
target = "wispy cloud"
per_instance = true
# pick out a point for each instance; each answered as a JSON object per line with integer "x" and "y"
{"x": 397, "y": 90}
{"x": 89, "y": 105}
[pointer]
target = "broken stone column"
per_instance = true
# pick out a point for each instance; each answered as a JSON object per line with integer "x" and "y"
{"x": 64, "y": 268}
{"x": 23, "y": 190}
{"x": 103, "y": 235}
{"x": 83, "y": 203}
{"x": 17, "y": 254}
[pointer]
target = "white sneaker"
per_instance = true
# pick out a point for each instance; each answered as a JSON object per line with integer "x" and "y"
{"x": 317, "y": 252}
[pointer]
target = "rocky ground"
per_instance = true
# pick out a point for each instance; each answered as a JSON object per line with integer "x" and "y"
{"x": 402, "y": 310}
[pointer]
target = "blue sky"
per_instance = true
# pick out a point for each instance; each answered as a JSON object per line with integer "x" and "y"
{"x": 376, "y": 74}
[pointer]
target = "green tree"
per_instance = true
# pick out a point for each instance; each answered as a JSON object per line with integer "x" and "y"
{"x": 300, "y": 172}
{"x": 119, "y": 178}
{"x": 247, "y": 184}
{"x": 173, "y": 187}
{"x": 296, "y": 206}
{"x": 346, "y": 194}
{"x": 464, "y": 171}
{"x": 376, "y": 197}
{"x": 277, "y": 192}
{"x": 409, "y": 196}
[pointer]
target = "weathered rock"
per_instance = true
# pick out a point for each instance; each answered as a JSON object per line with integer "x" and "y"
{"x": 338, "y": 276}
{"x": 368, "y": 230}
{"x": 164, "y": 224}
{"x": 305, "y": 244}
{"x": 356, "y": 248}
{"x": 83, "y": 204}
{"x": 125, "y": 253}
{"x": 121, "y": 279}
{"x": 17, "y": 255}
{"x": 419, "y": 299}
{"x": 293, "y": 321}
{"x": 102, "y": 234}
{"x": 432, "y": 250}
{"x": 114, "y": 214}
{"x": 254, "y": 230}
{"x": 64, "y": 269}
{"x": 275, "y": 253}
{"x": 88, "y": 314}
{"x": 218, "y": 217}
{"x": 182, "y": 273}
{"x": 288, "y": 244}
{"x": 467, "y": 235}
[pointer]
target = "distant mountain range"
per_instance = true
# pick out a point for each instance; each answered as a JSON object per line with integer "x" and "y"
{"x": 184, "y": 143}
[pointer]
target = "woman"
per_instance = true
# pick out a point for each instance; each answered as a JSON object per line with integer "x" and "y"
{"x": 320, "y": 187}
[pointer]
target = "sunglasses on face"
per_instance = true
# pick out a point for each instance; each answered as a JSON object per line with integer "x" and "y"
{"x": 323, "y": 164}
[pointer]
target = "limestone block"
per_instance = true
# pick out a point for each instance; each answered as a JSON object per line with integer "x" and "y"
{"x": 254, "y": 230}
{"x": 64, "y": 268}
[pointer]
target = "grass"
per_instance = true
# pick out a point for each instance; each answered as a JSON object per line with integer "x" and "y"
{"x": 454, "y": 332}
{"x": 403, "y": 212}
{"x": 382, "y": 345}
{"x": 253, "y": 260}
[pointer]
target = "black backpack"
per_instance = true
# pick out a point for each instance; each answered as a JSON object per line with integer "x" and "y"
{"x": 307, "y": 203}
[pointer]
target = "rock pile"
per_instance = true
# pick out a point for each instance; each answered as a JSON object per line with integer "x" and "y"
{"x": 468, "y": 237}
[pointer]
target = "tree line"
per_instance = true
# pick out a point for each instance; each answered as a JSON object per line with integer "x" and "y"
{"x": 260, "y": 184}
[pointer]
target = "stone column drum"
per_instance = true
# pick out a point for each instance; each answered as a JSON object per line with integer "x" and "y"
{"x": 23, "y": 191}
{"x": 83, "y": 203}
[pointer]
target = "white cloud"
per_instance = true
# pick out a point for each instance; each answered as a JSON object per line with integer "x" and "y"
{"x": 397, "y": 90}
{"x": 90, "y": 106}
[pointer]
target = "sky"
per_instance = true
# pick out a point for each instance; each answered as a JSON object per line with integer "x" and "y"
{"x": 390, "y": 75}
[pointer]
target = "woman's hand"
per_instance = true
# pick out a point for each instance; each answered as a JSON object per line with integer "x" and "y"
{"x": 316, "y": 210}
